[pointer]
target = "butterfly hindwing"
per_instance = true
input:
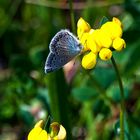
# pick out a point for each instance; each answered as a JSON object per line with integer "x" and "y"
{"x": 63, "y": 47}
{"x": 55, "y": 62}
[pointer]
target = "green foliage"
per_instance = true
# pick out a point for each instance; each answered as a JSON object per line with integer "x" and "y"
{"x": 84, "y": 94}
{"x": 103, "y": 20}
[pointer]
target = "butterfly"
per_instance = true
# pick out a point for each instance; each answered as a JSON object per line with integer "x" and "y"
{"x": 64, "y": 46}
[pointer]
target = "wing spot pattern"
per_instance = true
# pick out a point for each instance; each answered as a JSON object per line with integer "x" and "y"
{"x": 63, "y": 48}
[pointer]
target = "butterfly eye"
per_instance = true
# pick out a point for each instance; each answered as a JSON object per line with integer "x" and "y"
{"x": 79, "y": 44}
{"x": 60, "y": 36}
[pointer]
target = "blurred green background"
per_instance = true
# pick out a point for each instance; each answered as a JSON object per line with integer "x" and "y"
{"x": 85, "y": 102}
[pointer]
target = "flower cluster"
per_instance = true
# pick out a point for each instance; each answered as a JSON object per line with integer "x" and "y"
{"x": 58, "y": 132}
{"x": 99, "y": 41}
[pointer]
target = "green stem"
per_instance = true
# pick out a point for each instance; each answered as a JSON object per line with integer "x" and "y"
{"x": 122, "y": 99}
{"x": 72, "y": 17}
{"x": 58, "y": 93}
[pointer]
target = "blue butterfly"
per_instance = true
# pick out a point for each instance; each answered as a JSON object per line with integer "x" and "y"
{"x": 63, "y": 47}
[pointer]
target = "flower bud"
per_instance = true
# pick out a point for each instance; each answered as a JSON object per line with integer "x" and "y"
{"x": 55, "y": 129}
{"x": 62, "y": 133}
{"x": 89, "y": 60}
{"x": 82, "y": 27}
{"x": 118, "y": 44}
{"x": 58, "y": 132}
{"x": 37, "y": 133}
{"x": 116, "y": 20}
{"x": 105, "y": 54}
{"x": 39, "y": 124}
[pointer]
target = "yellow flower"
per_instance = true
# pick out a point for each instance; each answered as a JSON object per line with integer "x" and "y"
{"x": 116, "y": 20}
{"x": 112, "y": 28}
{"x": 83, "y": 41}
{"x": 89, "y": 60}
{"x": 97, "y": 40}
{"x": 38, "y": 133}
{"x": 105, "y": 54}
{"x": 91, "y": 44}
{"x": 82, "y": 27}
{"x": 104, "y": 40}
{"x": 58, "y": 132}
{"x": 118, "y": 44}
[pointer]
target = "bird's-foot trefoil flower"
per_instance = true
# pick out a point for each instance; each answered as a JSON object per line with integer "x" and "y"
{"x": 89, "y": 60}
{"x": 118, "y": 44}
{"x": 57, "y": 132}
{"x": 83, "y": 27}
{"x": 100, "y": 41}
{"x": 105, "y": 54}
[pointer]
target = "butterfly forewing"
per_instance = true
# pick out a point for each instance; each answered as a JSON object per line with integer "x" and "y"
{"x": 63, "y": 47}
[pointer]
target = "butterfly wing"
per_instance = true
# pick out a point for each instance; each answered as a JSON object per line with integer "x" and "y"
{"x": 63, "y": 48}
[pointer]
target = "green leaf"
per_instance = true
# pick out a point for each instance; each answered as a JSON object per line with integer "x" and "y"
{"x": 48, "y": 122}
{"x": 134, "y": 59}
{"x": 103, "y": 21}
{"x": 134, "y": 128}
{"x": 37, "y": 56}
{"x": 99, "y": 106}
{"x": 114, "y": 91}
{"x": 7, "y": 111}
{"x": 105, "y": 76}
{"x": 84, "y": 93}
{"x": 20, "y": 63}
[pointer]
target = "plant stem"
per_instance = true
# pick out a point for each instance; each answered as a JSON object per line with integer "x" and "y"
{"x": 72, "y": 17}
{"x": 58, "y": 93}
{"x": 122, "y": 99}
